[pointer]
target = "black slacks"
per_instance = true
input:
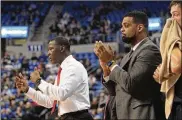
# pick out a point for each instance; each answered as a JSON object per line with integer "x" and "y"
{"x": 176, "y": 113}
{"x": 79, "y": 115}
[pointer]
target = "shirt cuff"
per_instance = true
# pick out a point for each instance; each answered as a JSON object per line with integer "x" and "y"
{"x": 113, "y": 67}
{"x": 106, "y": 78}
{"x": 43, "y": 85}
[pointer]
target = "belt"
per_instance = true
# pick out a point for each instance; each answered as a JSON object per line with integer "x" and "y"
{"x": 73, "y": 113}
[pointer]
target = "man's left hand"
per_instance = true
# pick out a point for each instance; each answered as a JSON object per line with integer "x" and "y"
{"x": 104, "y": 52}
{"x": 35, "y": 75}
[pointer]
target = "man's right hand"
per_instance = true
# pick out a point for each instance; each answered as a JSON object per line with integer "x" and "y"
{"x": 21, "y": 83}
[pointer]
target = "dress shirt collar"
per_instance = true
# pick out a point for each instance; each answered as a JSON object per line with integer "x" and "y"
{"x": 65, "y": 61}
{"x": 135, "y": 47}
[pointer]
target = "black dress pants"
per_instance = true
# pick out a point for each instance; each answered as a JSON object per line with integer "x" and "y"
{"x": 79, "y": 115}
{"x": 176, "y": 113}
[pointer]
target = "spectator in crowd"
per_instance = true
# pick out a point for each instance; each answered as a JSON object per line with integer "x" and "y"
{"x": 34, "y": 57}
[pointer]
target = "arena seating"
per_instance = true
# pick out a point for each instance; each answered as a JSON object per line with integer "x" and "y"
{"x": 24, "y": 13}
{"x": 102, "y": 18}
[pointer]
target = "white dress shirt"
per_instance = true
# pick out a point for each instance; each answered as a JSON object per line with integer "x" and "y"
{"x": 133, "y": 48}
{"x": 72, "y": 93}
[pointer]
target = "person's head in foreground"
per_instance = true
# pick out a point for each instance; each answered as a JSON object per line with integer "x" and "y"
{"x": 176, "y": 11}
{"x": 58, "y": 50}
{"x": 134, "y": 27}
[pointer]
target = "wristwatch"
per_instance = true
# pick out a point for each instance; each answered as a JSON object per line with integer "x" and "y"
{"x": 110, "y": 63}
{"x": 26, "y": 90}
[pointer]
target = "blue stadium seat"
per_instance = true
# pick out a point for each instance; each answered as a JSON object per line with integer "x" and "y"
{"x": 31, "y": 84}
{"x": 11, "y": 8}
{"x": 14, "y": 91}
{"x": 7, "y": 104}
{"x": 81, "y": 56}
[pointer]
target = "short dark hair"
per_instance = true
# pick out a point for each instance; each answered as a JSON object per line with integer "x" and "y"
{"x": 62, "y": 41}
{"x": 139, "y": 17}
{"x": 175, "y": 2}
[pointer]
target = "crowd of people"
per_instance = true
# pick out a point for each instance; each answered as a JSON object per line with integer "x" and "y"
{"x": 69, "y": 27}
{"x": 92, "y": 24}
{"x": 24, "y": 13}
{"x": 95, "y": 27}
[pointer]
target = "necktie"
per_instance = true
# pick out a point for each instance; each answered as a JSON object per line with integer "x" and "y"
{"x": 58, "y": 80}
{"x": 130, "y": 53}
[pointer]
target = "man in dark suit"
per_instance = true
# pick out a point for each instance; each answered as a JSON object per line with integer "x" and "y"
{"x": 133, "y": 92}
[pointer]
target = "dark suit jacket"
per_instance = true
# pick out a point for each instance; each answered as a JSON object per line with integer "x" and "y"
{"x": 137, "y": 94}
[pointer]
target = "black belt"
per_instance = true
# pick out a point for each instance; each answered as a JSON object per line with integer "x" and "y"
{"x": 73, "y": 113}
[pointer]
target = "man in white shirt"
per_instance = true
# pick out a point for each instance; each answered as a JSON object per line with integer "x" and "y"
{"x": 70, "y": 90}
{"x": 133, "y": 93}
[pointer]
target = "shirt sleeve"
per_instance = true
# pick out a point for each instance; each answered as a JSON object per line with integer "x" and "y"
{"x": 40, "y": 98}
{"x": 71, "y": 78}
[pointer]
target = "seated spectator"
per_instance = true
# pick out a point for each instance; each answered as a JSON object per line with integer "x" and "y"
{"x": 34, "y": 57}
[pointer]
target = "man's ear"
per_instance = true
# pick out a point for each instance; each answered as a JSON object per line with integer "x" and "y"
{"x": 140, "y": 27}
{"x": 62, "y": 48}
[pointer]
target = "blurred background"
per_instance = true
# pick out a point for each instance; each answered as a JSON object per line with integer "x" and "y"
{"x": 27, "y": 26}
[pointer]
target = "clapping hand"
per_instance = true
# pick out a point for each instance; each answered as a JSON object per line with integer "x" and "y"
{"x": 35, "y": 75}
{"x": 21, "y": 83}
{"x": 103, "y": 52}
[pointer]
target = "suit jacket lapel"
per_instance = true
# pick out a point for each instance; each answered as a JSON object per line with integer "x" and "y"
{"x": 126, "y": 59}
